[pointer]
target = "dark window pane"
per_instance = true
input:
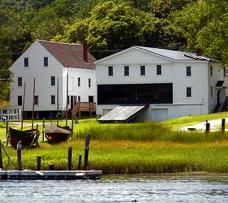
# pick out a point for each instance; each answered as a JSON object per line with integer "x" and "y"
{"x": 211, "y": 70}
{"x": 79, "y": 82}
{"x": 52, "y": 80}
{"x": 52, "y": 99}
{"x": 188, "y": 91}
{"x": 135, "y": 94}
{"x": 159, "y": 70}
{"x": 26, "y": 62}
{"x": 36, "y": 100}
{"x": 89, "y": 82}
{"x": 188, "y": 71}
{"x": 90, "y": 98}
{"x": 19, "y": 81}
{"x": 45, "y": 61}
{"x": 142, "y": 70}
{"x": 110, "y": 71}
{"x": 79, "y": 99}
{"x": 126, "y": 70}
{"x": 19, "y": 100}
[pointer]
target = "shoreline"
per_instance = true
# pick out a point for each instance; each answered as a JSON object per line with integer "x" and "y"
{"x": 200, "y": 175}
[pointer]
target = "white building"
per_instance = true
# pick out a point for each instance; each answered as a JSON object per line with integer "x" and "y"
{"x": 170, "y": 83}
{"x": 50, "y": 63}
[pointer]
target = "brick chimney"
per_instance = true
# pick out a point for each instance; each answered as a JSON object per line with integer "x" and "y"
{"x": 85, "y": 52}
{"x": 198, "y": 52}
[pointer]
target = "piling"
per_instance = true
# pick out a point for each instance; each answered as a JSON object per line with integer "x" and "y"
{"x": 38, "y": 163}
{"x": 72, "y": 126}
{"x": 79, "y": 162}
{"x": 51, "y": 166}
{"x": 223, "y": 125}
{"x": 69, "y": 163}
{"x": 207, "y": 127}
{"x": 43, "y": 130}
{"x": 7, "y": 131}
{"x": 19, "y": 163}
{"x": 86, "y": 154}
{"x": 1, "y": 161}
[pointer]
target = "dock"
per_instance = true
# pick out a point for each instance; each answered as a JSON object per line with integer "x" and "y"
{"x": 49, "y": 174}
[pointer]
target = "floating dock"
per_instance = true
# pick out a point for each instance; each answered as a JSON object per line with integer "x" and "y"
{"x": 49, "y": 174}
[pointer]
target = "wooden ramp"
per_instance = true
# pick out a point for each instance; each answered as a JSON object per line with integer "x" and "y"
{"x": 49, "y": 174}
{"x": 122, "y": 114}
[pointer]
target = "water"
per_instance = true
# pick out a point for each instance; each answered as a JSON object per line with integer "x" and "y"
{"x": 130, "y": 190}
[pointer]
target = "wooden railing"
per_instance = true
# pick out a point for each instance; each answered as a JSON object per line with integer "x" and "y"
{"x": 83, "y": 107}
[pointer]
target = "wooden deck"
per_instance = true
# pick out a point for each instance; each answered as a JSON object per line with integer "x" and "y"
{"x": 49, "y": 174}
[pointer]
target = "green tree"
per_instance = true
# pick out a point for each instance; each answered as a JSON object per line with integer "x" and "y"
{"x": 204, "y": 26}
{"x": 113, "y": 26}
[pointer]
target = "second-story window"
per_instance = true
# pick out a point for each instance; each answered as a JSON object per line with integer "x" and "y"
{"x": 26, "y": 62}
{"x": 45, "y": 61}
{"x": 36, "y": 100}
{"x": 89, "y": 82}
{"x": 19, "y": 81}
{"x": 142, "y": 70}
{"x": 19, "y": 100}
{"x": 188, "y": 92}
{"x": 126, "y": 70}
{"x": 110, "y": 70}
{"x": 188, "y": 71}
{"x": 79, "y": 82}
{"x": 159, "y": 69}
{"x": 52, "y": 99}
{"x": 52, "y": 80}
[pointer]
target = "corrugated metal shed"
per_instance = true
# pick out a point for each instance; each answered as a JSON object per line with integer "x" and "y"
{"x": 121, "y": 113}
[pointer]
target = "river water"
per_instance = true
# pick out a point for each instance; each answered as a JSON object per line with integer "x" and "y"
{"x": 115, "y": 190}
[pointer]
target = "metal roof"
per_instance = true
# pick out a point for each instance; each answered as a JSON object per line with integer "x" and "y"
{"x": 177, "y": 55}
{"x": 121, "y": 113}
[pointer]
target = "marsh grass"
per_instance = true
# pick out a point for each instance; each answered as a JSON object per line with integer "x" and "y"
{"x": 131, "y": 148}
{"x": 147, "y": 131}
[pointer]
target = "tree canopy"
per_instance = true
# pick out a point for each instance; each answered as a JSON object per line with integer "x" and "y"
{"x": 114, "y": 25}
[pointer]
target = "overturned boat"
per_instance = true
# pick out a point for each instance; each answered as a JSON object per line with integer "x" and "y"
{"x": 29, "y": 138}
{"x": 56, "y": 134}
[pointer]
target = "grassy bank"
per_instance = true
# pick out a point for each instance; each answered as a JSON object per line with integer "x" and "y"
{"x": 133, "y": 148}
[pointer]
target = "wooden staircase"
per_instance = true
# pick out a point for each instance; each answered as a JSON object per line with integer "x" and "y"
{"x": 83, "y": 107}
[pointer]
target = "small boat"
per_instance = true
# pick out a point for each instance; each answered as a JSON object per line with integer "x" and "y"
{"x": 29, "y": 138}
{"x": 56, "y": 134}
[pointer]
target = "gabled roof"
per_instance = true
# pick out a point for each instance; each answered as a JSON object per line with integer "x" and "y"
{"x": 166, "y": 53}
{"x": 69, "y": 55}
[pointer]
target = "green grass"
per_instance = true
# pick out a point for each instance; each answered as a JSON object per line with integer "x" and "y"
{"x": 134, "y": 148}
{"x": 190, "y": 120}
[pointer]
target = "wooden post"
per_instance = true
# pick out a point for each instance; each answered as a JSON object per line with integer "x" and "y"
{"x": 38, "y": 163}
{"x": 223, "y": 125}
{"x": 7, "y": 131}
{"x": 23, "y": 107}
{"x": 57, "y": 101}
{"x": 69, "y": 163}
{"x": 79, "y": 162}
{"x": 207, "y": 127}
{"x": 1, "y": 161}
{"x": 51, "y": 166}
{"x": 67, "y": 100}
{"x": 72, "y": 126}
{"x": 86, "y": 155}
{"x": 33, "y": 101}
{"x": 19, "y": 147}
{"x": 43, "y": 130}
